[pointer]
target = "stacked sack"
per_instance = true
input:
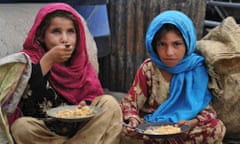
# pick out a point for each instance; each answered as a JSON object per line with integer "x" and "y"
{"x": 221, "y": 49}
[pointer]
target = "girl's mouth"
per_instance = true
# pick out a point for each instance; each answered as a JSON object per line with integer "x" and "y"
{"x": 67, "y": 45}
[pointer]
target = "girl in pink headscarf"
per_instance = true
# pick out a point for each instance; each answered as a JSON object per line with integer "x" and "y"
{"x": 62, "y": 74}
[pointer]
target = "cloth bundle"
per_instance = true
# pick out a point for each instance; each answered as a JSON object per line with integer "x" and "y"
{"x": 15, "y": 71}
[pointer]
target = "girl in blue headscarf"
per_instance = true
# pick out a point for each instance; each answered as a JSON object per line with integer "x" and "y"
{"x": 172, "y": 85}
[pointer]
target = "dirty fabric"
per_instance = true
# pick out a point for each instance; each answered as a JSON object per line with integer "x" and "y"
{"x": 15, "y": 71}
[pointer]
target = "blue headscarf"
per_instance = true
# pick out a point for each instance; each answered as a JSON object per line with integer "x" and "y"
{"x": 189, "y": 92}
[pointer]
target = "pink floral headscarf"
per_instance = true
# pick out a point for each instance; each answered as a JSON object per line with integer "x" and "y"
{"x": 76, "y": 82}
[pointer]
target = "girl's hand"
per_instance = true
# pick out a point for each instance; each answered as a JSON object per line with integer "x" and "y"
{"x": 81, "y": 104}
{"x": 60, "y": 53}
{"x": 133, "y": 122}
{"x": 191, "y": 123}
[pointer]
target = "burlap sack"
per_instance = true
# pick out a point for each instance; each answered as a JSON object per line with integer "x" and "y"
{"x": 221, "y": 49}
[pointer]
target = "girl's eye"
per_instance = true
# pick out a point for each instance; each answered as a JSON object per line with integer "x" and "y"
{"x": 178, "y": 43}
{"x": 71, "y": 31}
{"x": 55, "y": 31}
{"x": 160, "y": 44}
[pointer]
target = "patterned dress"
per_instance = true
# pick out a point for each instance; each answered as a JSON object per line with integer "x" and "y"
{"x": 150, "y": 89}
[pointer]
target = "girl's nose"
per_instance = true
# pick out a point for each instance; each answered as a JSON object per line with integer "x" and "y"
{"x": 169, "y": 50}
{"x": 64, "y": 38}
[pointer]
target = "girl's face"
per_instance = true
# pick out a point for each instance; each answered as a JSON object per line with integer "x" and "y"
{"x": 60, "y": 31}
{"x": 171, "y": 48}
